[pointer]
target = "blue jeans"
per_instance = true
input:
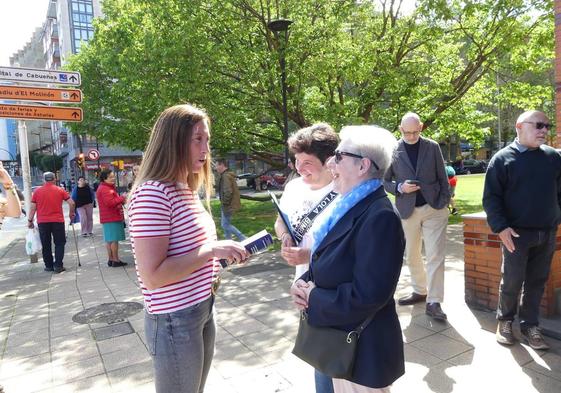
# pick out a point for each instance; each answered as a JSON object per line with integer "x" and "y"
{"x": 526, "y": 268}
{"x": 324, "y": 383}
{"x": 182, "y": 346}
{"x": 228, "y": 228}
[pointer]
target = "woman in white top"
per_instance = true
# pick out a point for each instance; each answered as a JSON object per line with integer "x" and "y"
{"x": 304, "y": 199}
{"x": 176, "y": 250}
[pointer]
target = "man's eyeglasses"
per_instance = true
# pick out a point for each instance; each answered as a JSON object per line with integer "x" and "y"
{"x": 339, "y": 156}
{"x": 539, "y": 125}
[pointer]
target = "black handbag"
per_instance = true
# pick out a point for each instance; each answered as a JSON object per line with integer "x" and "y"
{"x": 330, "y": 351}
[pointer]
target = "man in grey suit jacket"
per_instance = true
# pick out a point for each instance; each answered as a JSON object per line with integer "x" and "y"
{"x": 417, "y": 178}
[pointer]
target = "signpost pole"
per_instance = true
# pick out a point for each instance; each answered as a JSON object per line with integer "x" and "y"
{"x": 26, "y": 168}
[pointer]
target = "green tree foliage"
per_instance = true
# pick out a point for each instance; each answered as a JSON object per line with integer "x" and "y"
{"x": 347, "y": 62}
{"x": 50, "y": 163}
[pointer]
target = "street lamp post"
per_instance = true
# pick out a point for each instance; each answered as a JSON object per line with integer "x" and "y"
{"x": 282, "y": 26}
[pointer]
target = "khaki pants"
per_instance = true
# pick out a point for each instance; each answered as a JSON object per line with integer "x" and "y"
{"x": 431, "y": 224}
{"x": 344, "y": 386}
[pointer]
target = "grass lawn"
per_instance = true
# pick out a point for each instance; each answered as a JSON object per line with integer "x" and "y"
{"x": 255, "y": 216}
{"x": 469, "y": 191}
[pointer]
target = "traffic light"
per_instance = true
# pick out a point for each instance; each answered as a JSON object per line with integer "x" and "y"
{"x": 118, "y": 164}
{"x": 80, "y": 161}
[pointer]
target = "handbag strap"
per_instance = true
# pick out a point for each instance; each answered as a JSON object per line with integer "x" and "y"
{"x": 363, "y": 325}
{"x": 357, "y": 331}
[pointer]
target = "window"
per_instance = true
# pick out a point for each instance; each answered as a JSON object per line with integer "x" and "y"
{"x": 81, "y": 16}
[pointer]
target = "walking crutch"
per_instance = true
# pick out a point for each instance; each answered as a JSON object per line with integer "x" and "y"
{"x": 75, "y": 243}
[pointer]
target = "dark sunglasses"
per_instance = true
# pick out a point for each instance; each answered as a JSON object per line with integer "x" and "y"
{"x": 539, "y": 125}
{"x": 339, "y": 156}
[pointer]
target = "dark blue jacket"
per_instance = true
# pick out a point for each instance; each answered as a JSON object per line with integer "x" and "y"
{"x": 356, "y": 269}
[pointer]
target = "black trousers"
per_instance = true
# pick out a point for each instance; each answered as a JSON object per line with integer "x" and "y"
{"x": 54, "y": 230}
{"x": 526, "y": 268}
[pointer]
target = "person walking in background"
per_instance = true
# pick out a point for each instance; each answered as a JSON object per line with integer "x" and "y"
{"x": 111, "y": 216}
{"x": 46, "y": 201}
{"x": 10, "y": 205}
{"x": 293, "y": 172}
{"x": 84, "y": 198}
{"x": 522, "y": 199}
{"x": 357, "y": 255}
{"x": 304, "y": 200}
{"x": 176, "y": 250}
{"x": 452, "y": 182}
{"x": 229, "y": 195}
{"x": 418, "y": 180}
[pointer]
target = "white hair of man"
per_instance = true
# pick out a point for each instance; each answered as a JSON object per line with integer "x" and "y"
{"x": 372, "y": 142}
{"x": 410, "y": 116}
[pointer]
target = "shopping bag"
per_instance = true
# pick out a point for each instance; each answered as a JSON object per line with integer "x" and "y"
{"x": 32, "y": 241}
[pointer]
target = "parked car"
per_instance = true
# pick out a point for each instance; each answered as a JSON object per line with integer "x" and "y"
{"x": 246, "y": 180}
{"x": 270, "y": 179}
{"x": 474, "y": 166}
{"x": 468, "y": 166}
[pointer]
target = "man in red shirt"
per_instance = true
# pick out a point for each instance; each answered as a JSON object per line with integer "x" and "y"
{"x": 47, "y": 202}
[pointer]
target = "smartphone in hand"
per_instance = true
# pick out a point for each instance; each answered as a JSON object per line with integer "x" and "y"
{"x": 414, "y": 182}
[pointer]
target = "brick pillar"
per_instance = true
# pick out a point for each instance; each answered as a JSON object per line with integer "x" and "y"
{"x": 558, "y": 71}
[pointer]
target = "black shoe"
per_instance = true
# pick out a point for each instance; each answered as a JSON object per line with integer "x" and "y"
{"x": 411, "y": 299}
{"x": 534, "y": 338}
{"x": 435, "y": 311}
{"x": 504, "y": 334}
{"x": 454, "y": 211}
{"x": 48, "y": 269}
{"x": 58, "y": 270}
{"x": 116, "y": 263}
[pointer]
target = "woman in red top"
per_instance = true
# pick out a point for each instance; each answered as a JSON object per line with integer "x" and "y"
{"x": 111, "y": 216}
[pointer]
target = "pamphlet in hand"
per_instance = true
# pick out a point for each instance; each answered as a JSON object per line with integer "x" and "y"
{"x": 283, "y": 217}
{"x": 254, "y": 244}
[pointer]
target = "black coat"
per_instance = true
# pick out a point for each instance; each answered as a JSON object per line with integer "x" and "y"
{"x": 356, "y": 269}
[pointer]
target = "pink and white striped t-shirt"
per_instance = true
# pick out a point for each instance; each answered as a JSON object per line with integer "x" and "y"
{"x": 158, "y": 209}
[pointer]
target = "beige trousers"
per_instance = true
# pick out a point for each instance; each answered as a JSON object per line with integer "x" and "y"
{"x": 426, "y": 224}
{"x": 344, "y": 386}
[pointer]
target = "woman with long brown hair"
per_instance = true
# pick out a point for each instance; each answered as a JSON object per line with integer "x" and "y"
{"x": 176, "y": 248}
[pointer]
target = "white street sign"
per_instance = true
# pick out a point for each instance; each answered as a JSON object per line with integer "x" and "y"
{"x": 68, "y": 78}
{"x": 93, "y": 154}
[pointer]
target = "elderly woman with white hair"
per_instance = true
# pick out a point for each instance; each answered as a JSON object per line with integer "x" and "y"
{"x": 356, "y": 260}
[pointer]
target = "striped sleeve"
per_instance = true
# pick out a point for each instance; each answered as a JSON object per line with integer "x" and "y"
{"x": 150, "y": 212}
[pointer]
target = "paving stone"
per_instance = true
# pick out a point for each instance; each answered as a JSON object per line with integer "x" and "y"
{"x": 72, "y": 371}
{"x": 441, "y": 346}
{"x": 116, "y": 360}
{"x": 416, "y": 355}
{"x": 127, "y": 378}
{"x": 120, "y": 344}
{"x": 96, "y": 384}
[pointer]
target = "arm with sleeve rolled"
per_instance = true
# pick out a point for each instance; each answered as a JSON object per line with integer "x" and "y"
{"x": 378, "y": 246}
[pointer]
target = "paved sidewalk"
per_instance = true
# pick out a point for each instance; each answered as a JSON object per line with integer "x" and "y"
{"x": 42, "y": 349}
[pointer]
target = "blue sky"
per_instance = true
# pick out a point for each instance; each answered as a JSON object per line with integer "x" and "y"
{"x": 18, "y": 20}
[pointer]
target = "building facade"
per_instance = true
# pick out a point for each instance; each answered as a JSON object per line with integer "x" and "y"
{"x": 68, "y": 26}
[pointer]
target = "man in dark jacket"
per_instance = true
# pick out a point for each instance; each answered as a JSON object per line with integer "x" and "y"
{"x": 418, "y": 180}
{"x": 522, "y": 199}
{"x": 229, "y": 195}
